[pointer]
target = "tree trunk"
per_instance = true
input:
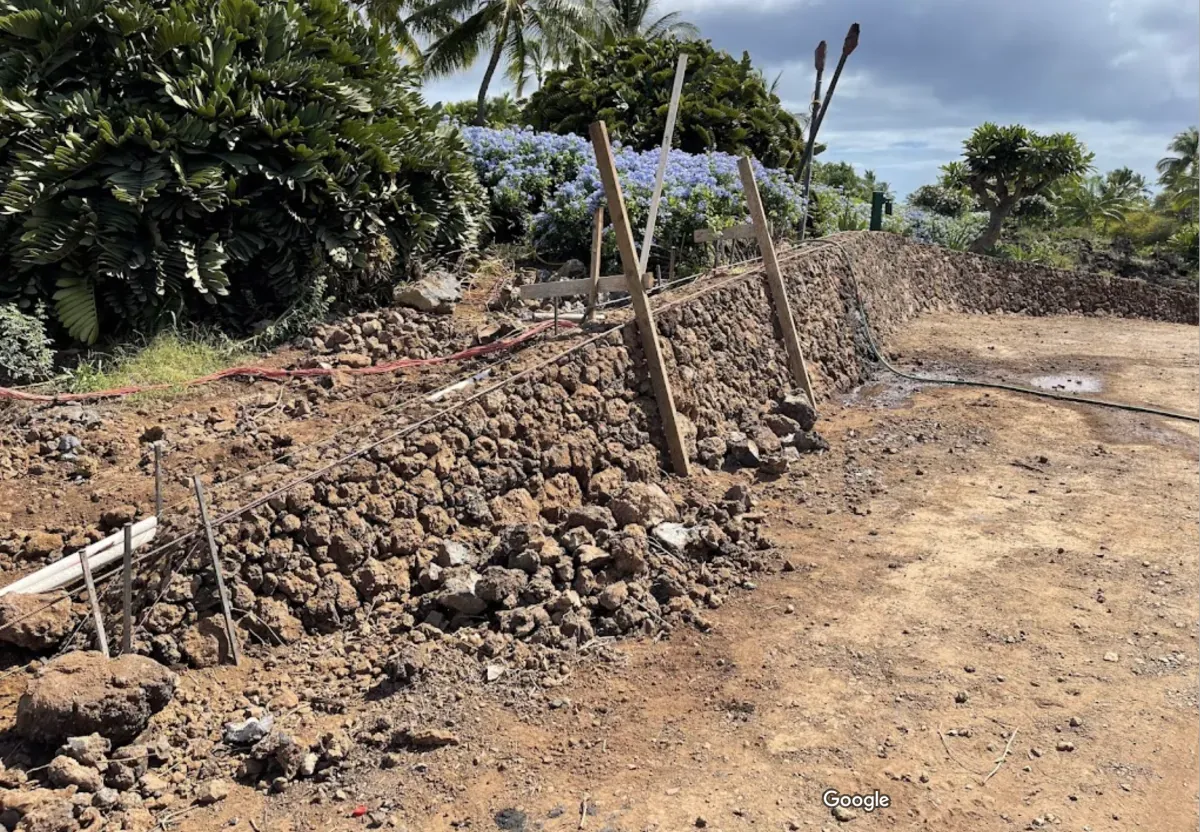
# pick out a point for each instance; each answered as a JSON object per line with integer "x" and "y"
{"x": 991, "y": 233}
{"x": 497, "y": 51}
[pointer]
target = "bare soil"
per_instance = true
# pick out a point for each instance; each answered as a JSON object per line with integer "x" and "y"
{"x": 988, "y": 613}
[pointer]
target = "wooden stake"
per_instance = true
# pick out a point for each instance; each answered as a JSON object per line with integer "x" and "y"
{"x": 597, "y": 241}
{"x": 158, "y": 495}
{"x": 641, "y": 304}
{"x": 234, "y": 647}
{"x": 783, "y": 310}
{"x": 94, "y": 602}
{"x": 127, "y": 593}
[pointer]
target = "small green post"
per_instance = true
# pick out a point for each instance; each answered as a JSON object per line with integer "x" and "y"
{"x": 877, "y": 201}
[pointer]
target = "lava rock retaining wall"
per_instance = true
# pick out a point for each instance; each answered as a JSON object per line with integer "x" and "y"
{"x": 539, "y": 509}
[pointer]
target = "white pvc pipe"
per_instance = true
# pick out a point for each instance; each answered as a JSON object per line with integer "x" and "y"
{"x": 68, "y": 569}
{"x": 672, "y": 110}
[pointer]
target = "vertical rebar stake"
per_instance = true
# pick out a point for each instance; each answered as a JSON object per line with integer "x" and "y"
{"x": 127, "y": 592}
{"x": 556, "y": 316}
{"x": 234, "y": 648}
{"x": 158, "y": 497}
{"x": 94, "y": 602}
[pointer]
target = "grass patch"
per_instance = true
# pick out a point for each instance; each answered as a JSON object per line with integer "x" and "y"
{"x": 169, "y": 358}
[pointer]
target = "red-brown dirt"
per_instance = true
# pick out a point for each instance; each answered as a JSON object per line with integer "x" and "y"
{"x": 970, "y": 567}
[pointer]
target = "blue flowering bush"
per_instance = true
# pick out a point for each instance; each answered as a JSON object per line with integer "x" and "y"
{"x": 925, "y": 226}
{"x": 546, "y": 188}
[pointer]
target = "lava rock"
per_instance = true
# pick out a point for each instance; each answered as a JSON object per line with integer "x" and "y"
{"x": 87, "y": 693}
{"x": 644, "y": 504}
{"x": 437, "y": 292}
{"x": 25, "y": 623}
{"x": 797, "y": 407}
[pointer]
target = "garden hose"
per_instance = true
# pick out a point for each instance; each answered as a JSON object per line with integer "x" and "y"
{"x": 992, "y": 385}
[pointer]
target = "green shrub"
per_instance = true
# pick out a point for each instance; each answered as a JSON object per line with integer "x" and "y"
{"x": 1186, "y": 243}
{"x": 1146, "y": 227}
{"x": 725, "y": 106}
{"x": 25, "y": 353}
{"x": 212, "y": 160}
{"x": 941, "y": 200}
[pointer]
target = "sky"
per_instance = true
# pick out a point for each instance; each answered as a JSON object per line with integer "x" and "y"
{"x": 1123, "y": 75}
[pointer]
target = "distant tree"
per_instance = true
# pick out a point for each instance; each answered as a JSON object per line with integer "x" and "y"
{"x": 726, "y": 105}
{"x": 948, "y": 202}
{"x": 842, "y": 175}
{"x": 464, "y": 30}
{"x": 631, "y": 19}
{"x": 1179, "y": 173}
{"x": 499, "y": 111}
{"x": 1091, "y": 200}
{"x": 1126, "y": 183}
{"x": 1003, "y": 165}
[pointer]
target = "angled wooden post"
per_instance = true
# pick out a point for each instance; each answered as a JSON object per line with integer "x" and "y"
{"x": 783, "y": 311}
{"x": 235, "y": 649}
{"x": 127, "y": 592}
{"x": 641, "y": 304}
{"x": 94, "y": 603}
{"x": 597, "y": 241}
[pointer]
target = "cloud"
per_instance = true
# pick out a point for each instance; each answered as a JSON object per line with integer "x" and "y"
{"x": 1121, "y": 74}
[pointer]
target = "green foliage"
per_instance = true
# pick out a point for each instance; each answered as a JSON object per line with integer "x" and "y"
{"x": 1186, "y": 244}
{"x": 212, "y": 160}
{"x": 1179, "y": 173}
{"x": 25, "y": 353}
{"x": 527, "y": 34}
{"x": 1034, "y": 247}
{"x": 632, "y": 19}
{"x": 941, "y": 200}
{"x": 725, "y": 105}
{"x": 1003, "y": 165}
{"x": 1146, "y": 227}
{"x": 843, "y": 176}
{"x": 1093, "y": 200}
{"x": 170, "y": 357}
{"x": 499, "y": 111}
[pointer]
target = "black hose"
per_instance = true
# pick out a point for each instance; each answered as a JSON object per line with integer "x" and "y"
{"x": 1012, "y": 388}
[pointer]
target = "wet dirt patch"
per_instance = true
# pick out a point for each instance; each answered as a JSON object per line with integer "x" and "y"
{"x": 1068, "y": 383}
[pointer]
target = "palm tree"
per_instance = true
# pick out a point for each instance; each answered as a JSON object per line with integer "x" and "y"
{"x": 1087, "y": 200}
{"x": 462, "y": 30}
{"x": 628, "y": 19}
{"x": 1126, "y": 183}
{"x": 1180, "y": 174}
{"x": 390, "y": 15}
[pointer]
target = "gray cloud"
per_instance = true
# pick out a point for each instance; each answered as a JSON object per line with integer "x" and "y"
{"x": 1122, "y": 74}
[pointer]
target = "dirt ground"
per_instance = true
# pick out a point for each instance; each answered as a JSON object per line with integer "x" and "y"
{"x": 989, "y": 616}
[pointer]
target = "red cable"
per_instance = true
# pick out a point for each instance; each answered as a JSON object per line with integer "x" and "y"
{"x": 276, "y": 374}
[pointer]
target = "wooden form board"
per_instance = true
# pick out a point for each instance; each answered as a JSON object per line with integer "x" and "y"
{"x": 641, "y": 303}
{"x": 580, "y": 286}
{"x": 783, "y": 310}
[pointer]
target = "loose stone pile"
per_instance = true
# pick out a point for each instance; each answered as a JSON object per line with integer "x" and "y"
{"x": 383, "y": 335}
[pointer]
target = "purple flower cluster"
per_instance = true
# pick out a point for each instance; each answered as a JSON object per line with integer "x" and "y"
{"x": 548, "y": 186}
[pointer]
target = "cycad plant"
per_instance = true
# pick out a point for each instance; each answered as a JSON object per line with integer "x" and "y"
{"x": 163, "y": 160}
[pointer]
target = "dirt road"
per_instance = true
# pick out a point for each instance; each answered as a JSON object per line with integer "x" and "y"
{"x": 990, "y": 617}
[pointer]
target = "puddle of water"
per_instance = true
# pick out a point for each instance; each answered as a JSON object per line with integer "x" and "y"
{"x": 1068, "y": 383}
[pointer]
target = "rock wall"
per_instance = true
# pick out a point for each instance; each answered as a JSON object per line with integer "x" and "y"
{"x": 539, "y": 512}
